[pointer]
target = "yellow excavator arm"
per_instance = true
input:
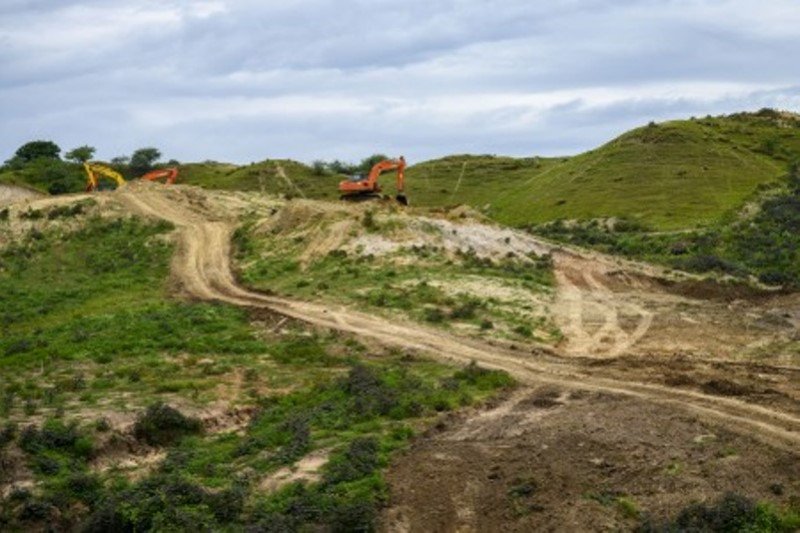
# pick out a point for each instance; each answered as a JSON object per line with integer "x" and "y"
{"x": 96, "y": 170}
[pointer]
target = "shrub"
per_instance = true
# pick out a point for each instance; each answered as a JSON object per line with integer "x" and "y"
{"x": 299, "y": 439}
{"x": 369, "y": 221}
{"x": 706, "y": 263}
{"x": 358, "y": 460}
{"x": 483, "y": 378}
{"x": 58, "y": 436}
{"x": 8, "y": 434}
{"x": 161, "y": 425}
{"x": 370, "y": 396}
{"x": 466, "y": 310}
{"x": 523, "y": 330}
{"x": 732, "y": 512}
{"x": 166, "y": 502}
{"x": 433, "y": 314}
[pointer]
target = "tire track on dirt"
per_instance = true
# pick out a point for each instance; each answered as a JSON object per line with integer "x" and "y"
{"x": 202, "y": 266}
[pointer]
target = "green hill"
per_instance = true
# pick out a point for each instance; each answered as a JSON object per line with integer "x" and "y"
{"x": 273, "y": 176}
{"x": 672, "y": 175}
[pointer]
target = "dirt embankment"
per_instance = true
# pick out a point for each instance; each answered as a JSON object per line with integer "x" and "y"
{"x": 10, "y": 194}
{"x": 553, "y": 460}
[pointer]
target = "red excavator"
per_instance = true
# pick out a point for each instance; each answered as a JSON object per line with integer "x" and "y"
{"x": 360, "y": 188}
{"x": 170, "y": 173}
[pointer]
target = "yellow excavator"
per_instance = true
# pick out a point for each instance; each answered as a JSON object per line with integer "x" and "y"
{"x": 94, "y": 171}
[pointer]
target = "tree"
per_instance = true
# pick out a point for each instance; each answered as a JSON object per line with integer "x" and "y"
{"x": 320, "y": 167}
{"x": 81, "y": 154}
{"x": 143, "y": 159}
{"x": 340, "y": 167}
{"x": 120, "y": 160}
{"x": 37, "y": 150}
{"x": 369, "y": 162}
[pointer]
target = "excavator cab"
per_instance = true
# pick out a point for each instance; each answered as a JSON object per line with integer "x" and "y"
{"x": 356, "y": 190}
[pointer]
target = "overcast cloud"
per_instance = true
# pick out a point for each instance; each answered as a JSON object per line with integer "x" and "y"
{"x": 243, "y": 80}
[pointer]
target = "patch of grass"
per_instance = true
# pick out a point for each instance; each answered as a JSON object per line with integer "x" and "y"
{"x": 628, "y": 507}
{"x": 107, "y": 300}
{"x": 732, "y": 512}
{"x": 265, "y": 176}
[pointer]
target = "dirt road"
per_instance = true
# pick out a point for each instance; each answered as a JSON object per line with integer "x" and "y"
{"x": 202, "y": 266}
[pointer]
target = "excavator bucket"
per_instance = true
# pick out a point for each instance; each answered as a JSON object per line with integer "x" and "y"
{"x": 401, "y": 199}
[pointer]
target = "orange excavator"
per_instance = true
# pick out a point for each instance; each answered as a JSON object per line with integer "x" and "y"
{"x": 94, "y": 171}
{"x": 170, "y": 173}
{"x": 359, "y": 188}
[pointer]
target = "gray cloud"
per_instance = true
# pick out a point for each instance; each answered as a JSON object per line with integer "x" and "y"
{"x": 242, "y": 80}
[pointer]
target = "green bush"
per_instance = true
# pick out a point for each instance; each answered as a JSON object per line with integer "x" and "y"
{"x": 56, "y": 435}
{"x": 161, "y": 425}
{"x": 358, "y": 460}
{"x": 166, "y": 502}
{"x": 730, "y": 513}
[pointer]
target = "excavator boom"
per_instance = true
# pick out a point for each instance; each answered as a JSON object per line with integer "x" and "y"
{"x": 95, "y": 170}
{"x": 367, "y": 188}
{"x": 170, "y": 173}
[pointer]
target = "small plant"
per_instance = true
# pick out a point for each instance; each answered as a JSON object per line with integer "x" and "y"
{"x": 433, "y": 314}
{"x": 466, "y": 309}
{"x": 8, "y": 433}
{"x": 30, "y": 407}
{"x": 627, "y": 506}
{"x": 369, "y": 221}
{"x": 523, "y": 330}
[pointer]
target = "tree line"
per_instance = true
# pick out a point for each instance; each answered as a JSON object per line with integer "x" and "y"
{"x": 40, "y": 163}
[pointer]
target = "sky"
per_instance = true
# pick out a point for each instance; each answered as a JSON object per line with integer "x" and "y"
{"x": 246, "y": 80}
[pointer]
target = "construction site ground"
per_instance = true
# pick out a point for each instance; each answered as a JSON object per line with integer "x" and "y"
{"x": 665, "y": 389}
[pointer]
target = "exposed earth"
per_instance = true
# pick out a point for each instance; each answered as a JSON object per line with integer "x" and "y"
{"x": 665, "y": 389}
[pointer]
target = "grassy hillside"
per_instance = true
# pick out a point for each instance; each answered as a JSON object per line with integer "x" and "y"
{"x": 476, "y": 180}
{"x": 761, "y": 241}
{"x": 673, "y": 175}
{"x": 275, "y": 176}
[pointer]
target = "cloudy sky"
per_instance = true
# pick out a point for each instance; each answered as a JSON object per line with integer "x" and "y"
{"x": 243, "y": 80}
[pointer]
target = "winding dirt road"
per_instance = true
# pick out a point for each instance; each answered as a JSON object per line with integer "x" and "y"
{"x": 202, "y": 266}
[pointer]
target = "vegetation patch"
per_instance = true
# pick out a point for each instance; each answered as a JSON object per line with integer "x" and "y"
{"x": 764, "y": 244}
{"x": 732, "y": 512}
